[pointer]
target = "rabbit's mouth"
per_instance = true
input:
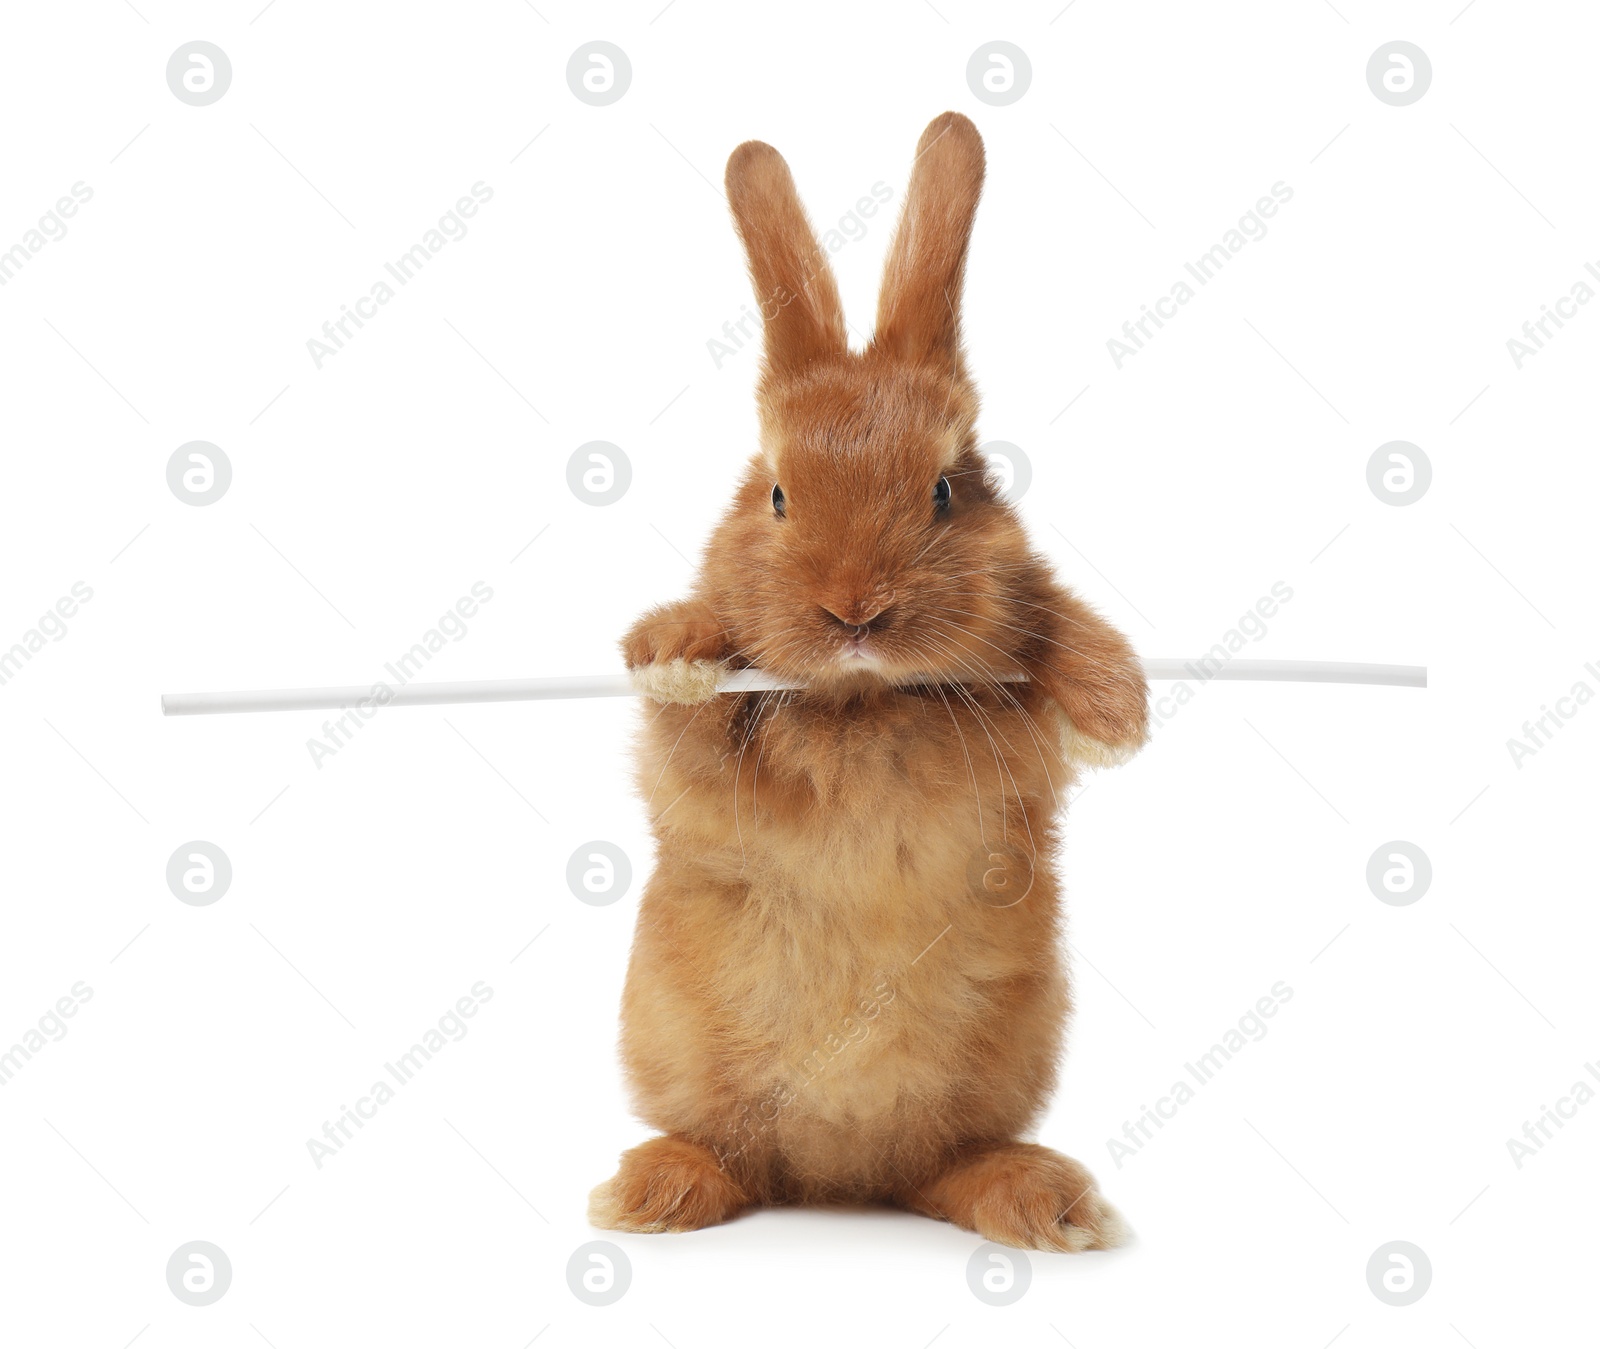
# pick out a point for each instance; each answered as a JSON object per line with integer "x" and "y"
{"x": 858, "y": 654}
{"x": 858, "y": 650}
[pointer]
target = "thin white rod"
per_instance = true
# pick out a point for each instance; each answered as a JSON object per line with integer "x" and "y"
{"x": 1291, "y": 672}
{"x": 740, "y": 681}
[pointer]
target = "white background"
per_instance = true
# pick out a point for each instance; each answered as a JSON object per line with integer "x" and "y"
{"x": 368, "y": 496}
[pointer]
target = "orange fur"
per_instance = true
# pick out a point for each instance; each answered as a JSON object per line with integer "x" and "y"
{"x": 830, "y": 996}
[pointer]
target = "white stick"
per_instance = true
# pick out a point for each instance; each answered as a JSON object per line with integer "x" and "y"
{"x": 740, "y": 681}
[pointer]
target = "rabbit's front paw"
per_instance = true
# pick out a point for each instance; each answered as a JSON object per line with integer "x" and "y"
{"x": 1076, "y": 747}
{"x": 675, "y": 653}
{"x": 1104, "y": 721}
{"x": 684, "y": 631}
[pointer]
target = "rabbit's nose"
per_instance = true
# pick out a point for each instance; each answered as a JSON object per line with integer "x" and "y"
{"x": 859, "y": 613}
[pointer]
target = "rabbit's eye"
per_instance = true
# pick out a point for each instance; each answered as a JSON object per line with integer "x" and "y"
{"x": 941, "y": 495}
{"x": 779, "y": 502}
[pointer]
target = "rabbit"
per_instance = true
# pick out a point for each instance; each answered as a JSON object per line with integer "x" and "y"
{"x": 845, "y": 984}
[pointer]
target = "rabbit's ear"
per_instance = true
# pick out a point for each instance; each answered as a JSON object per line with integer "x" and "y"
{"x": 795, "y": 290}
{"x": 919, "y": 308}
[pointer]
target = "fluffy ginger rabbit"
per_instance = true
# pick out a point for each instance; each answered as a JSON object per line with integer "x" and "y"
{"x": 845, "y": 983}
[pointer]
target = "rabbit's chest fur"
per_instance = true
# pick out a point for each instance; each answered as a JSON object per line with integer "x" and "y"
{"x": 834, "y": 806}
{"x": 816, "y": 922}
